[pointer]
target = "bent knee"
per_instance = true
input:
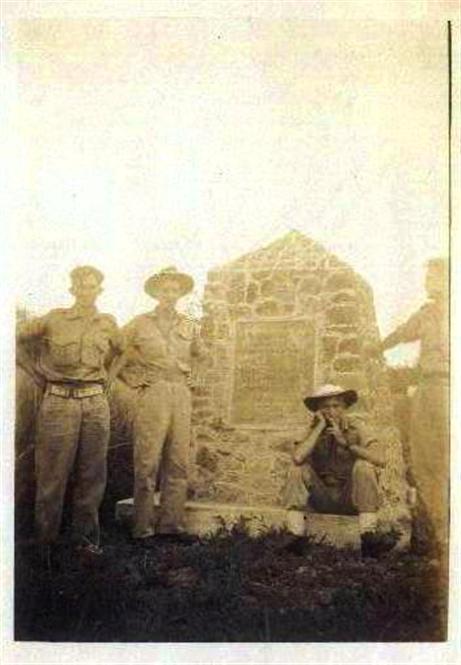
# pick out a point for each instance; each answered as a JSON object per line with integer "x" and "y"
{"x": 364, "y": 468}
{"x": 301, "y": 472}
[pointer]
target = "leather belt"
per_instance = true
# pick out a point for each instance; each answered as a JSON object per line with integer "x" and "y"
{"x": 74, "y": 392}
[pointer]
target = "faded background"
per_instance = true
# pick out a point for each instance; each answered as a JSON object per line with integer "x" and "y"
{"x": 90, "y": 129}
{"x": 186, "y": 141}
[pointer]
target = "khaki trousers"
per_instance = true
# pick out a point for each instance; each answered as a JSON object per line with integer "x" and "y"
{"x": 359, "y": 494}
{"x": 161, "y": 429}
{"x": 429, "y": 446}
{"x": 72, "y": 435}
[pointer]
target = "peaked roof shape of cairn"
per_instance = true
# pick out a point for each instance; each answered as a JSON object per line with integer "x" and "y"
{"x": 293, "y": 251}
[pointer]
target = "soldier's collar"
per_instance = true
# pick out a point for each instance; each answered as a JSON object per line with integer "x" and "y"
{"x": 79, "y": 312}
{"x": 156, "y": 313}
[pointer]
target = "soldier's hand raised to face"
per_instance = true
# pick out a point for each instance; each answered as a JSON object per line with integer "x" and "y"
{"x": 319, "y": 420}
{"x": 334, "y": 430}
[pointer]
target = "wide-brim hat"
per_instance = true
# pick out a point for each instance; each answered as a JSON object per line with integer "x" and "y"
{"x": 312, "y": 401}
{"x": 154, "y": 283}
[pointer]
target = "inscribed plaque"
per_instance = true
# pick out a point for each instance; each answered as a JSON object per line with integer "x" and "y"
{"x": 273, "y": 370}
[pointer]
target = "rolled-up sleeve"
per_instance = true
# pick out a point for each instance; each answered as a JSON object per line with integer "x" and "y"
{"x": 368, "y": 439}
{"x": 361, "y": 433}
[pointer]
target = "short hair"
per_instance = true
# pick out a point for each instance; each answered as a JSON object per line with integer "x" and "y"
{"x": 82, "y": 272}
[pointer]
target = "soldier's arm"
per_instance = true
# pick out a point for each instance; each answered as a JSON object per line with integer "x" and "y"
{"x": 115, "y": 368}
{"x": 117, "y": 347}
{"x": 120, "y": 341}
{"x": 409, "y": 331}
{"x": 27, "y": 332}
{"x": 304, "y": 448}
{"x": 368, "y": 447}
{"x": 28, "y": 364}
{"x": 32, "y": 329}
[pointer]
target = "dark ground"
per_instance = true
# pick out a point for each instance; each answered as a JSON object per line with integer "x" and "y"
{"x": 227, "y": 588}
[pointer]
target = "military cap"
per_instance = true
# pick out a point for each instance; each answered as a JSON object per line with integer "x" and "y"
{"x": 81, "y": 272}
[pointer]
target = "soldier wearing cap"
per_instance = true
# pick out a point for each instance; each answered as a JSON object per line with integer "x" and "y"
{"x": 161, "y": 345}
{"x": 336, "y": 464}
{"x": 75, "y": 347}
{"x": 429, "y": 435}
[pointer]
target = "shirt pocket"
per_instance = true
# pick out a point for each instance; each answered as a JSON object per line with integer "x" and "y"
{"x": 64, "y": 352}
{"x": 95, "y": 349}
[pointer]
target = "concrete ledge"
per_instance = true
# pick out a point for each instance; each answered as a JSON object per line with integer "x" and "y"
{"x": 205, "y": 518}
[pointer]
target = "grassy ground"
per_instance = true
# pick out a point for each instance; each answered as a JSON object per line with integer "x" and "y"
{"x": 227, "y": 588}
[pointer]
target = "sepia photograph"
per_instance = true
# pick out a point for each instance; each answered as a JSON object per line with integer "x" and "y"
{"x": 231, "y": 247}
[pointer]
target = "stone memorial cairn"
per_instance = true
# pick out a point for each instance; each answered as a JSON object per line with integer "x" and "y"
{"x": 277, "y": 323}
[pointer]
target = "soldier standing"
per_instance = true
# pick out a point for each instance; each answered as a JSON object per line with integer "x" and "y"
{"x": 75, "y": 345}
{"x": 157, "y": 364}
{"x": 429, "y": 434}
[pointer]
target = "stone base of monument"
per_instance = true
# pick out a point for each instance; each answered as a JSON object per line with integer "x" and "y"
{"x": 206, "y": 518}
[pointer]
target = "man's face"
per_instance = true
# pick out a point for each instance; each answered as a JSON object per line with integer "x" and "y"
{"x": 169, "y": 293}
{"x": 86, "y": 290}
{"x": 332, "y": 408}
{"x": 434, "y": 283}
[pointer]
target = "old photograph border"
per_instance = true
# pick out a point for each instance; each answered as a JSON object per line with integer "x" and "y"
{"x": 449, "y": 652}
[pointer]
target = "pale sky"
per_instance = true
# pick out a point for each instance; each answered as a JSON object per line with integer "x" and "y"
{"x": 188, "y": 142}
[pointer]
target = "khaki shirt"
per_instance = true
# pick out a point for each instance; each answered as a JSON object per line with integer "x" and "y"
{"x": 333, "y": 462}
{"x": 153, "y": 355}
{"x": 74, "y": 344}
{"x": 430, "y": 325}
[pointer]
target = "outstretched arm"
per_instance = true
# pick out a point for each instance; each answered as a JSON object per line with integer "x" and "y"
{"x": 410, "y": 331}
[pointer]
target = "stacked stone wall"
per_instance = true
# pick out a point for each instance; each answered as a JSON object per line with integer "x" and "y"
{"x": 291, "y": 280}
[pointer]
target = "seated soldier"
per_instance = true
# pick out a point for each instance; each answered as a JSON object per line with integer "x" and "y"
{"x": 336, "y": 465}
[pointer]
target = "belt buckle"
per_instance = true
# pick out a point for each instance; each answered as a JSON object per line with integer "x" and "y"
{"x": 59, "y": 391}
{"x": 73, "y": 392}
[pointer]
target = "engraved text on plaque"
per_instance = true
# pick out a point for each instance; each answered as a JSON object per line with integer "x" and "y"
{"x": 273, "y": 371}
